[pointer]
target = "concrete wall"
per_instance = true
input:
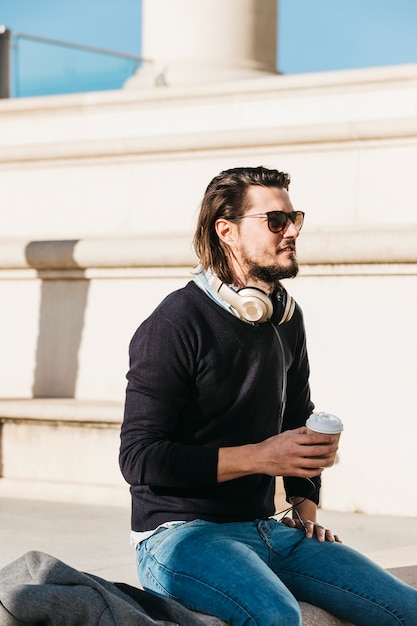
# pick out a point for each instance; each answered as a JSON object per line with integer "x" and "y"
{"x": 99, "y": 198}
{"x": 137, "y": 162}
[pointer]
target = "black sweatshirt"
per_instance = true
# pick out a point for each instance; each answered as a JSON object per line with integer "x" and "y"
{"x": 201, "y": 379}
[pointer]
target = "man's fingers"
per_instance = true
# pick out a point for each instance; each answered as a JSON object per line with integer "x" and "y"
{"x": 322, "y": 533}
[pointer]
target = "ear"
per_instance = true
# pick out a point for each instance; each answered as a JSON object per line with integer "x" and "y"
{"x": 226, "y": 231}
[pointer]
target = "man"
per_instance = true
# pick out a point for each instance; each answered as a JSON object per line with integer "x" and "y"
{"x": 216, "y": 403}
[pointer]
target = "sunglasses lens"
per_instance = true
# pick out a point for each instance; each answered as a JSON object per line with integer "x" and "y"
{"x": 297, "y": 219}
{"x": 277, "y": 221}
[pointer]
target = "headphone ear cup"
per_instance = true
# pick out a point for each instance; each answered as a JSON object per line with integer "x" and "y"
{"x": 255, "y": 305}
{"x": 284, "y": 306}
{"x": 289, "y": 310}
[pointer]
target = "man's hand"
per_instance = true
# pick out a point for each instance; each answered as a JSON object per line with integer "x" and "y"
{"x": 304, "y": 518}
{"x": 292, "y": 453}
{"x": 312, "y": 529}
{"x": 296, "y": 453}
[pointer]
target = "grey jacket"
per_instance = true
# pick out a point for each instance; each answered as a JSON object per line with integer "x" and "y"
{"x": 39, "y": 589}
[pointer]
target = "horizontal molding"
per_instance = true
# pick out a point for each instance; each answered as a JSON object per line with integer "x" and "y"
{"x": 175, "y": 251}
{"x": 312, "y": 134}
{"x": 364, "y": 246}
{"x": 70, "y": 254}
{"x": 61, "y": 410}
{"x": 263, "y": 85}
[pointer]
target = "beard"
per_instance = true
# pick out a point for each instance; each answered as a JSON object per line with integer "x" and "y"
{"x": 271, "y": 274}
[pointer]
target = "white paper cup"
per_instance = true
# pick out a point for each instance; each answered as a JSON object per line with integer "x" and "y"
{"x": 326, "y": 424}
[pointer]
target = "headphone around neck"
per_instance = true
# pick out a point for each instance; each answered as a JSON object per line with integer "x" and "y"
{"x": 254, "y": 305}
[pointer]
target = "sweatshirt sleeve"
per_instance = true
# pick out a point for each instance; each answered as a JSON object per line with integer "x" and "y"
{"x": 154, "y": 450}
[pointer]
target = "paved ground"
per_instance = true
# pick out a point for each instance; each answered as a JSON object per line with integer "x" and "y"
{"x": 95, "y": 539}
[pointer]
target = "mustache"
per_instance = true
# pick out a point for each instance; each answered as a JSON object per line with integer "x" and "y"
{"x": 288, "y": 245}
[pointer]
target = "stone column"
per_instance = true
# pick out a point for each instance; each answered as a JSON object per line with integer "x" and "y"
{"x": 204, "y": 41}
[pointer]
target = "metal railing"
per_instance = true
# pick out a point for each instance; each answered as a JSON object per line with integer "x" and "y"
{"x": 32, "y": 65}
{"x": 4, "y": 62}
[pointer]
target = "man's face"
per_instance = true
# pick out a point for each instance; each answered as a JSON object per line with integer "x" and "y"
{"x": 259, "y": 255}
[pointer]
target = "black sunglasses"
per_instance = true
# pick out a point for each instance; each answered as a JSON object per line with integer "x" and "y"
{"x": 277, "y": 220}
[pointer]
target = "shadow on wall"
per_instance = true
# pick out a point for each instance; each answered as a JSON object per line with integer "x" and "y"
{"x": 63, "y": 305}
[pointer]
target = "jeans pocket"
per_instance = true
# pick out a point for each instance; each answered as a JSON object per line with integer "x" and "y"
{"x": 161, "y": 534}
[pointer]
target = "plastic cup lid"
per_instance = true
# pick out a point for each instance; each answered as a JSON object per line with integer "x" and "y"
{"x": 325, "y": 423}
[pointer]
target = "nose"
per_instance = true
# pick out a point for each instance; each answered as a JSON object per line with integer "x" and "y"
{"x": 290, "y": 230}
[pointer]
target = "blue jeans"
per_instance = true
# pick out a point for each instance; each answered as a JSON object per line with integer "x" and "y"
{"x": 252, "y": 573}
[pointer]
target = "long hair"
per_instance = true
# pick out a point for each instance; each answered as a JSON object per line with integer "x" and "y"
{"x": 226, "y": 196}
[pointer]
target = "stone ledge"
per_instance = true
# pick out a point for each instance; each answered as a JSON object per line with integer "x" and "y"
{"x": 60, "y": 410}
{"x": 155, "y": 251}
{"x": 318, "y": 134}
{"x": 360, "y": 79}
{"x": 370, "y": 78}
{"x": 311, "y": 616}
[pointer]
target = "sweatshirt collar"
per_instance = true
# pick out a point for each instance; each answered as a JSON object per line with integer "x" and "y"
{"x": 202, "y": 279}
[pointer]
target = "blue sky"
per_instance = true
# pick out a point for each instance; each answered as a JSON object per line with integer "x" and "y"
{"x": 314, "y": 35}
{"x": 319, "y": 35}
{"x": 113, "y": 24}
{"x": 39, "y": 69}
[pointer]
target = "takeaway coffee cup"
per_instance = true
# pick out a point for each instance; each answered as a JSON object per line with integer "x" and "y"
{"x": 325, "y": 423}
